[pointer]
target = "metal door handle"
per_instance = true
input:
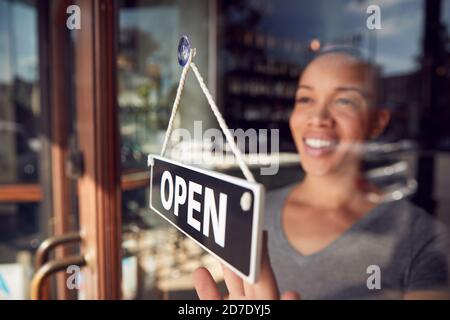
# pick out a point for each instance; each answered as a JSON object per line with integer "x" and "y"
{"x": 48, "y": 269}
{"x": 43, "y": 252}
{"x": 45, "y": 268}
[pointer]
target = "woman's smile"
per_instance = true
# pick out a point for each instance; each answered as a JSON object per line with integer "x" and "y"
{"x": 318, "y": 144}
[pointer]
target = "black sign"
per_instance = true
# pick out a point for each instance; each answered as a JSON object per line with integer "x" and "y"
{"x": 223, "y": 214}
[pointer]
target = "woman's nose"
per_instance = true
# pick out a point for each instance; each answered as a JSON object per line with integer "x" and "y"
{"x": 321, "y": 116}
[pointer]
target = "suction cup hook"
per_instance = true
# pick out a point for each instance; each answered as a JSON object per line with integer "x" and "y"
{"x": 184, "y": 50}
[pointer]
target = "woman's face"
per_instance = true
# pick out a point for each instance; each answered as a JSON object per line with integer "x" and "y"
{"x": 334, "y": 113}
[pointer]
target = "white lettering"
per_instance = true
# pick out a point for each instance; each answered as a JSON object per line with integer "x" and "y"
{"x": 175, "y": 194}
{"x": 180, "y": 198}
{"x": 166, "y": 178}
{"x": 218, "y": 222}
{"x": 193, "y": 204}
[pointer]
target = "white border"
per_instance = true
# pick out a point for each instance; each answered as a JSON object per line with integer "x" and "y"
{"x": 258, "y": 216}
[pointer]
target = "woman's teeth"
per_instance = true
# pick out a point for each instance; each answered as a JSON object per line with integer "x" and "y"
{"x": 320, "y": 143}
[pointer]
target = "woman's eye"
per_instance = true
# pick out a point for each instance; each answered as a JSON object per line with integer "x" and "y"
{"x": 304, "y": 100}
{"x": 346, "y": 102}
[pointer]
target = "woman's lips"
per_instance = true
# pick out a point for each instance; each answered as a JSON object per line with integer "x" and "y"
{"x": 317, "y": 147}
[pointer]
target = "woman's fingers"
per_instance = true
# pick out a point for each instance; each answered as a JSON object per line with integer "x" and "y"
{"x": 234, "y": 284}
{"x": 205, "y": 285}
{"x": 290, "y": 295}
{"x": 266, "y": 287}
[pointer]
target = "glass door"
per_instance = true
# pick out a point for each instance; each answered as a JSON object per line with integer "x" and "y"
{"x": 59, "y": 158}
{"x": 24, "y": 215}
{"x": 157, "y": 261}
{"x": 37, "y": 197}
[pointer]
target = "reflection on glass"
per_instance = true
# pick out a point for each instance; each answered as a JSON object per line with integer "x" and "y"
{"x": 148, "y": 74}
{"x": 19, "y": 146}
{"x": 147, "y": 78}
{"x": 19, "y": 93}
{"x": 261, "y": 56}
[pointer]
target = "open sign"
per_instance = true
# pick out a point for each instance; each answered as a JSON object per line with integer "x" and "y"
{"x": 223, "y": 214}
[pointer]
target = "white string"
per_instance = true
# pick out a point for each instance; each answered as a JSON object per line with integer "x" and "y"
{"x": 176, "y": 102}
{"x": 245, "y": 170}
{"x": 247, "y": 173}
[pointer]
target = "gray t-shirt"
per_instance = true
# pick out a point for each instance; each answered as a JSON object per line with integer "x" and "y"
{"x": 407, "y": 246}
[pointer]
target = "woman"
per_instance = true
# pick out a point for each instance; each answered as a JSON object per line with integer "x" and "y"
{"x": 327, "y": 239}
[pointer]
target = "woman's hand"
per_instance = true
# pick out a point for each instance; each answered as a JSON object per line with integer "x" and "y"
{"x": 265, "y": 288}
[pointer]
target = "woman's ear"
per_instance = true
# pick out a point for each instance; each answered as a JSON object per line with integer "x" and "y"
{"x": 381, "y": 120}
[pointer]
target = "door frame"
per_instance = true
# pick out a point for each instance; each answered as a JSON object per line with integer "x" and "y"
{"x": 62, "y": 189}
{"x": 99, "y": 193}
{"x": 98, "y": 186}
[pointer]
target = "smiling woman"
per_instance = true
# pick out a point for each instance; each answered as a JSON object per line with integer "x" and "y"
{"x": 325, "y": 234}
{"x": 334, "y": 115}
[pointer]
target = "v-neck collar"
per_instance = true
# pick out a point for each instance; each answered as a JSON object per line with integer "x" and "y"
{"x": 362, "y": 222}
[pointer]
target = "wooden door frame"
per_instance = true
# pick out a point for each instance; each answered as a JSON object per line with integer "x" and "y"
{"x": 62, "y": 202}
{"x": 99, "y": 191}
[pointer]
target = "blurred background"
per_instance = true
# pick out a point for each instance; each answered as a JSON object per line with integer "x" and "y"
{"x": 81, "y": 109}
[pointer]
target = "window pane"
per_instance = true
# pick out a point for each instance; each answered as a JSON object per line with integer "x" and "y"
{"x": 263, "y": 48}
{"x": 21, "y": 222}
{"x": 148, "y": 73}
{"x": 19, "y": 93}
